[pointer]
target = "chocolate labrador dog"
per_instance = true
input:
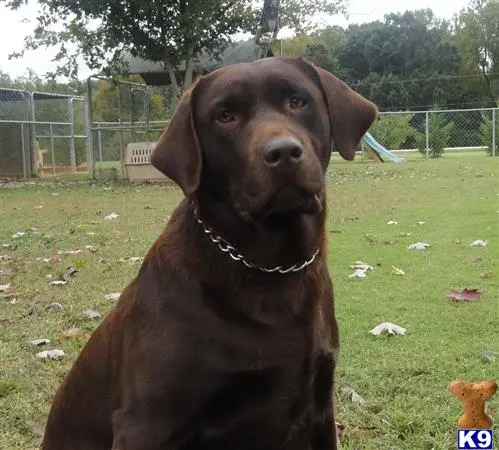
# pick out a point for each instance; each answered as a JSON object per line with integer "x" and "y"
{"x": 227, "y": 338}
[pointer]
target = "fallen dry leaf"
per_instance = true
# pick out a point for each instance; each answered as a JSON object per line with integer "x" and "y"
{"x": 4, "y": 287}
{"x": 54, "y": 306}
{"x": 18, "y": 234}
{"x": 8, "y": 294}
{"x": 38, "y": 342}
{"x": 51, "y": 354}
{"x": 113, "y": 296}
{"x": 59, "y": 282}
{"x": 70, "y": 252}
{"x": 112, "y": 216}
{"x": 348, "y": 393}
{"x": 132, "y": 259}
{"x": 70, "y": 273}
{"x": 359, "y": 273}
{"x": 36, "y": 428}
{"x": 361, "y": 269}
{"x": 8, "y": 272}
{"x": 361, "y": 266}
{"x": 485, "y": 274}
{"x": 91, "y": 314}
{"x": 419, "y": 246}
{"x": 392, "y": 222}
{"x": 403, "y": 234}
{"x": 489, "y": 355}
{"x": 389, "y": 327}
{"x": 45, "y": 260}
{"x": 479, "y": 243}
{"x": 466, "y": 295}
{"x": 73, "y": 333}
{"x": 340, "y": 431}
{"x": 397, "y": 271}
{"x": 420, "y": 222}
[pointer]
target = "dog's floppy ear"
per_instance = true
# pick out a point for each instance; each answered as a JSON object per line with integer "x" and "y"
{"x": 177, "y": 153}
{"x": 350, "y": 114}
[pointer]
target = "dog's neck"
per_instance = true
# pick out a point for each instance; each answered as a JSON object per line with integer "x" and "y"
{"x": 293, "y": 243}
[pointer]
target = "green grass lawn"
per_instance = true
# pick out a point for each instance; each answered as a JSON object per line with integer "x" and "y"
{"x": 402, "y": 379}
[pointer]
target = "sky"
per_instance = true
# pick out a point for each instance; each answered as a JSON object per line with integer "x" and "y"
{"x": 14, "y": 26}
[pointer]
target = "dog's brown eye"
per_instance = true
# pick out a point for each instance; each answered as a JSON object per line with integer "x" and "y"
{"x": 226, "y": 117}
{"x": 296, "y": 102}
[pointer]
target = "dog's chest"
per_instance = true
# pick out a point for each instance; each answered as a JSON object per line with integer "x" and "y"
{"x": 262, "y": 401}
{"x": 262, "y": 327}
{"x": 265, "y": 364}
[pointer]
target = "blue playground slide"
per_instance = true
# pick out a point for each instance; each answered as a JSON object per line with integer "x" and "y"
{"x": 380, "y": 150}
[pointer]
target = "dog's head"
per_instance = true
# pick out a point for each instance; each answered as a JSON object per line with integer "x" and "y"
{"x": 258, "y": 136}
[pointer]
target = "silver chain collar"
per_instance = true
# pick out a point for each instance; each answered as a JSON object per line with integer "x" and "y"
{"x": 226, "y": 247}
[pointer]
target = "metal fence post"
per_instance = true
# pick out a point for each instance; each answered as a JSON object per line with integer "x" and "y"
{"x": 88, "y": 111}
{"x": 23, "y": 147}
{"x": 120, "y": 107}
{"x": 72, "y": 154}
{"x": 33, "y": 157}
{"x": 494, "y": 137}
{"x": 146, "y": 110}
{"x": 51, "y": 131}
{"x": 99, "y": 143}
{"x": 427, "y": 133}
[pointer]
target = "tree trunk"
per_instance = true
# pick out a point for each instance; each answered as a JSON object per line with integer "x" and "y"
{"x": 173, "y": 77}
{"x": 487, "y": 84}
{"x": 189, "y": 67}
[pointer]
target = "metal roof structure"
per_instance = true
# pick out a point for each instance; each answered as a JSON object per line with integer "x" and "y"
{"x": 155, "y": 74}
{"x": 13, "y": 95}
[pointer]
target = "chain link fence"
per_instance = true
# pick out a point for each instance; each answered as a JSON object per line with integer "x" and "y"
{"x": 42, "y": 133}
{"x": 46, "y": 134}
{"x": 122, "y": 113}
{"x": 435, "y": 132}
{"x": 15, "y": 133}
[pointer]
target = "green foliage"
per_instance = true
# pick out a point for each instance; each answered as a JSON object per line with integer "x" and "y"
{"x": 476, "y": 36}
{"x": 394, "y": 131}
{"x": 302, "y": 18}
{"x": 380, "y": 57}
{"x": 321, "y": 47}
{"x": 440, "y": 130}
{"x": 406, "y": 61}
{"x": 172, "y": 32}
{"x": 486, "y": 135}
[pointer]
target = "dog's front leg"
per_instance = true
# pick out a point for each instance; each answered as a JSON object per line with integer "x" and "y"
{"x": 140, "y": 431}
{"x": 324, "y": 432}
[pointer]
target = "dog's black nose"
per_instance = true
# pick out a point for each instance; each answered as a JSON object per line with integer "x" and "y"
{"x": 282, "y": 151}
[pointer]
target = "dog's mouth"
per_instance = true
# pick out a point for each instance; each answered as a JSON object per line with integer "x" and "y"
{"x": 285, "y": 204}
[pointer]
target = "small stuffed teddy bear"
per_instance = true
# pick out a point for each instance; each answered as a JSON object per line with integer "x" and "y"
{"x": 474, "y": 396}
